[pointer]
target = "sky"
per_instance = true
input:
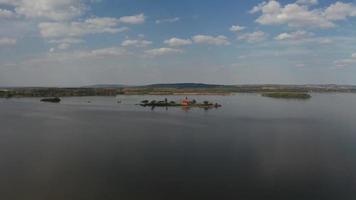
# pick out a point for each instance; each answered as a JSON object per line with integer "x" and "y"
{"x": 83, "y": 42}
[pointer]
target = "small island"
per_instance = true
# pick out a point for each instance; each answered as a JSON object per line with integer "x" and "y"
{"x": 185, "y": 103}
{"x": 51, "y": 100}
{"x": 287, "y": 95}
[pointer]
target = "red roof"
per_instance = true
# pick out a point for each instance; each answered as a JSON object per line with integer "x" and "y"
{"x": 185, "y": 102}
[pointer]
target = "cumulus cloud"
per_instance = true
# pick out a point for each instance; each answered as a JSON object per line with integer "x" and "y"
{"x": 68, "y": 41}
{"x": 95, "y": 53}
{"x": 6, "y": 14}
{"x": 48, "y": 9}
{"x": 63, "y": 46}
{"x": 307, "y": 2}
{"x": 293, "y": 36}
{"x": 237, "y": 28}
{"x": 7, "y": 41}
{"x": 340, "y": 11}
{"x": 65, "y": 43}
{"x": 162, "y": 51}
{"x": 257, "y": 8}
{"x": 135, "y": 19}
{"x": 292, "y": 14}
{"x": 10, "y": 2}
{"x": 168, "y": 20}
{"x": 80, "y": 28}
{"x": 257, "y": 36}
{"x": 136, "y": 43}
{"x": 325, "y": 41}
{"x": 58, "y": 19}
{"x": 174, "y": 42}
{"x": 207, "y": 39}
{"x": 113, "y": 51}
{"x": 299, "y": 15}
{"x": 346, "y": 62}
{"x": 79, "y": 55}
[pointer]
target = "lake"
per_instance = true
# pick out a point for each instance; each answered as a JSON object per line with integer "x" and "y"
{"x": 253, "y": 148}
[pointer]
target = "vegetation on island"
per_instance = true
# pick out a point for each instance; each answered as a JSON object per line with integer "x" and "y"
{"x": 184, "y": 103}
{"x": 51, "y": 100}
{"x": 287, "y": 95}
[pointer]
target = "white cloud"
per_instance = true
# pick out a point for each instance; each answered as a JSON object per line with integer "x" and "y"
{"x": 346, "y": 62}
{"x": 168, "y": 20}
{"x": 95, "y": 53}
{"x": 68, "y": 40}
{"x": 299, "y": 15}
{"x": 353, "y": 55}
{"x": 6, "y": 2}
{"x": 174, "y": 42}
{"x": 7, "y": 41}
{"x": 89, "y": 26}
{"x": 10, "y": 2}
{"x": 257, "y": 8}
{"x": 59, "y": 10}
{"x": 237, "y": 28}
{"x": 293, "y": 36}
{"x": 257, "y": 36}
{"x": 80, "y": 28}
{"x": 80, "y": 55}
{"x": 273, "y": 13}
{"x": 162, "y": 51}
{"x": 207, "y": 39}
{"x": 340, "y": 11}
{"x": 325, "y": 41}
{"x": 307, "y": 2}
{"x": 63, "y": 46}
{"x": 102, "y": 21}
{"x": 113, "y": 51}
{"x": 136, "y": 43}
{"x": 65, "y": 43}
{"x": 49, "y": 9}
{"x": 6, "y": 14}
{"x": 135, "y": 19}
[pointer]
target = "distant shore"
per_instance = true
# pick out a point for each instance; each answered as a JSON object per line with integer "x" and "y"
{"x": 171, "y": 89}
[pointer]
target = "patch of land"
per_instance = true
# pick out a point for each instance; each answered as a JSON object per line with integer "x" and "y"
{"x": 186, "y": 89}
{"x": 51, "y": 100}
{"x": 287, "y": 95}
{"x": 185, "y": 103}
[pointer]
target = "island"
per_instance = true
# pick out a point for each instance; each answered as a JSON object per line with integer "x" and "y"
{"x": 51, "y": 100}
{"x": 287, "y": 95}
{"x": 185, "y": 103}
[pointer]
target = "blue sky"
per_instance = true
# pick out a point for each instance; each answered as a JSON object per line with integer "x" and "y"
{"x": 82, "y": 42}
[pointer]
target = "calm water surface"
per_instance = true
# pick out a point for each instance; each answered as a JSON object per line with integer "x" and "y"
{"x": 253, "y": 148}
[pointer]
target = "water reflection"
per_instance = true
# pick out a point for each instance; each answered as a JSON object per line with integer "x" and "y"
{"x": 251, "y": 148}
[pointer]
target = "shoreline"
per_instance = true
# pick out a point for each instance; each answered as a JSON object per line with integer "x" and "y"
{"x": 171, "y": 94}
{"x": 179, "y": 90}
